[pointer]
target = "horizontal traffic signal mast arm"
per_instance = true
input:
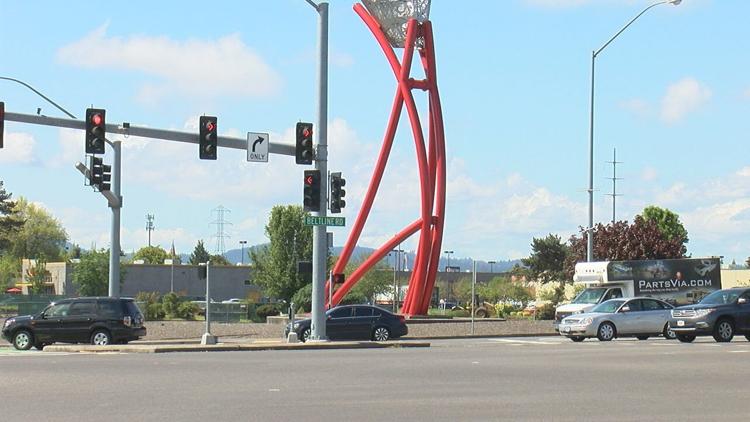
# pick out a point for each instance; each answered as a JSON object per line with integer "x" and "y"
{"x": 146, "y": 132}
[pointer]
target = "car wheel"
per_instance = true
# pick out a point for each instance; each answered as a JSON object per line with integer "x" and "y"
{"x": 305, "y": 335}
{"x": 606, "y": 331}
{"x": 381, "y": 334}
{"x": 101, "y": 338}
{"x": 578, "y": 339}
{"x": 642, "y": 337}
{"x": 685, "y": 338}
{"x": 23, "y": 340}
{"x": 724, "y": 331}
{"x": 747, "y": 336}
{"x": 668, "y": 333}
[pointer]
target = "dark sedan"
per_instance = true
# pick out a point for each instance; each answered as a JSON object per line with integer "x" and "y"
{"x": 722, "y": 314}
{"x": 356, "y": 322}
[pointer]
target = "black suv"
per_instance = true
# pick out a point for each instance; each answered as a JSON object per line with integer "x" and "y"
{"x": 720, "y": 314}
{"x": 95, "y": 320}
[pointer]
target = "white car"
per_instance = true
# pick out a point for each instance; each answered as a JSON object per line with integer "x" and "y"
{"x": 233, "y": 300}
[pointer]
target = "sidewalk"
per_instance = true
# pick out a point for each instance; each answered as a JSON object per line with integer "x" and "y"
{"x": 230, "y": 345}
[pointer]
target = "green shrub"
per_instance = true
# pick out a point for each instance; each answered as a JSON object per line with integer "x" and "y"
{"x": 154, "y": 312}
{"x": 187, "y": 310}
{"x": 169, "y": 304}
{"x": 546, "y": 312}
{"x": 504, "y": 309}
{"x": 268, "y": 310}
{"x": 459, "y": 313}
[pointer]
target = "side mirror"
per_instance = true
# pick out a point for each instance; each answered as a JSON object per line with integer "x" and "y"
{"x": 625, "y": 309}
{"x": 741, "y": 301}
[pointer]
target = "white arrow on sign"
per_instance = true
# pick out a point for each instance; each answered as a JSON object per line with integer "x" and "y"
{"x": 257, "y": 147}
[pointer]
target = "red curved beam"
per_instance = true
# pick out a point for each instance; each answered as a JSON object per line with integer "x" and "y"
{"x": 430, "y": 163}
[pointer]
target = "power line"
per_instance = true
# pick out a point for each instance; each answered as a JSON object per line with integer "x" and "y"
{"x": 220, "y": 222}
{"x": 614, "y": 180}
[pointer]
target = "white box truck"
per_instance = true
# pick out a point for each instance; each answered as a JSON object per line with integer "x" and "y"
{"x": 677, "y": 281}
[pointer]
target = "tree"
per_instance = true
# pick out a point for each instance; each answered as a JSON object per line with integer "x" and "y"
{"x": 547, "y": 260}
{"x": 502, "y": 289}
{"x": 667, "y": 221}
{"x": 10, "y": 221}
{"x": 200, "y": 254}
{"x": 38, "y": 275}
{"x": 10, "y": 271}
{"x": 151, "y": 255}
{"x": 91, "y": 275}
{"x": 275, "y": 265}
{"x": 40, "y": 235}
{"x": 378, "y": 280}
{"x": 219, "y": 259}
{"x": 622, "y": 242}
{"x": 747, "y": 263}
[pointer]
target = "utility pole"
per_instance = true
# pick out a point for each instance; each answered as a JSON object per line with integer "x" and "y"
{"x": 614, "y": 179}
{"x": 149, "y": 227}
{"x": 220, "y": 222}
{"x": 318, "y": 326}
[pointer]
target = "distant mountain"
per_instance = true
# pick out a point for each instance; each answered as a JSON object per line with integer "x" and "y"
{"x": 464, "y": 264}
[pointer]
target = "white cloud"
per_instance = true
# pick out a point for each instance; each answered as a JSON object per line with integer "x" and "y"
{"x": 18, "y": 148}
{"x": 205, "y": 68}
{"x": 636, "y": 106}
{"x": 682, "y": 98}
{"x": 649, "y": 174}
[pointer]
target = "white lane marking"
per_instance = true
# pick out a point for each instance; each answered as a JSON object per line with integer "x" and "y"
{"x": 516, "y": 342}
{"x": 739, "y": 351}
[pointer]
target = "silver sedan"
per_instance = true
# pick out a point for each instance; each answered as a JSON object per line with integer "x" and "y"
{"x": 640, "y": 317}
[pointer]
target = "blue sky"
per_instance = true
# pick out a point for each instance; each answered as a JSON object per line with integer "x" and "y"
{"x": 673, "y": 95}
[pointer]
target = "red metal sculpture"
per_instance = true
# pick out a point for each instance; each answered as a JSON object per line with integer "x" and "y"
{"x": 430, "y": 161}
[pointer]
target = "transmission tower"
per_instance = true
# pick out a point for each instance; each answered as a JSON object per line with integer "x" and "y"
{"x": 614, "y": 180}
{"x": 149, "y": 226}
{"x": 220, "y": 222}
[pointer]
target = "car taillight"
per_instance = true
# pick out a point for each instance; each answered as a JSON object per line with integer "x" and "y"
{"x": 127, "y": 321}
{"x": 401, "y": 319}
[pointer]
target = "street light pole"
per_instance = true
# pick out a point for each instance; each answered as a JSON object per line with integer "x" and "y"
{"x": 594, "y": 54}
{"x": 447, "y": 267}
{"x": 242, "y": 251}
{"x": 491, "y": 264}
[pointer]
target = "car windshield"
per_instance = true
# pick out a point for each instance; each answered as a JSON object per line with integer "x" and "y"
{"x": 608, "y": 307}
{"x": 589, "y": 296}
{"x": 721, "y": 297}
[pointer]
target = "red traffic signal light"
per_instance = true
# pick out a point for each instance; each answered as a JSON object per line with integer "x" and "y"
{"x": 208, "y": 138}
{"x": 95, "y": 130}
{"x": 311, "y": 200}
{"x": 303, "y": 153}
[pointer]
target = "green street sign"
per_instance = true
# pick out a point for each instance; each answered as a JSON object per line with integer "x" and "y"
{"x": 324, "y": 221}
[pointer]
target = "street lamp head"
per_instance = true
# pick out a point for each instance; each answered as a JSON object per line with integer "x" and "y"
{"x": 676, "y": 2}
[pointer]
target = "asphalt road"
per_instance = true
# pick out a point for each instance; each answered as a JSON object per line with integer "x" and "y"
{"x": 546, "y": 378}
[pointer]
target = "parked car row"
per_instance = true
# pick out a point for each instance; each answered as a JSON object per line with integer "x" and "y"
{"x": 721, "y": 314}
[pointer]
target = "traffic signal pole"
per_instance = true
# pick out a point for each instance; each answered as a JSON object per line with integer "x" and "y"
{"x": 113, "y": 197}
{"x": 114, "y": 248}
{"x": 320, "y": 239}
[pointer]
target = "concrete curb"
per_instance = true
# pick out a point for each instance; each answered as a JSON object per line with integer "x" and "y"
{"x": 229, "y": 347}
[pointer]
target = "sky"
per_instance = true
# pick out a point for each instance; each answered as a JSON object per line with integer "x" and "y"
{"x": 672, "y": 97}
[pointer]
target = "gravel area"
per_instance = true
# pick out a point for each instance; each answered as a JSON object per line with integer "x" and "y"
{"x": 162, "y": 330}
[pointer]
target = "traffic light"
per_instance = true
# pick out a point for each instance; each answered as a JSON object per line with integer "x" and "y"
{"x": 2, "y": 122}
{"x": 303, "y": 152}
{"x": 337, "y": 193}
{"x": 208, "y": 138}
{"x": 95, "y": 130}
{"x": 312, "y": 190}
{"x": 101, "y": 174}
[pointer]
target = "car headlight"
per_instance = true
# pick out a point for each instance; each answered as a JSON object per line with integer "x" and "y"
{"x": 8, "y": 322}
{"x": 703, "y": 312}
{"x": 296, "y": 325}
{"x": 587, "y": 321}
